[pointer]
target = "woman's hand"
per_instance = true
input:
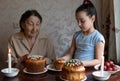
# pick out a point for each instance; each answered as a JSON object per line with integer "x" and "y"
{"x": 24, "y": 58}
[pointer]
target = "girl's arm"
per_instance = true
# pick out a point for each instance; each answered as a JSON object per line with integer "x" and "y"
{"x": 99, "y": 51}
{"x": 70, "y": 51}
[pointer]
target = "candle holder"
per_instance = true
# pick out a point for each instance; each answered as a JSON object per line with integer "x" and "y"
{"x": 97, "y": 75}
{"x": 14, "y": 72}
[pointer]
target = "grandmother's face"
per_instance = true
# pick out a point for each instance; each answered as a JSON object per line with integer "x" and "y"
{"x": 31, "y": 26}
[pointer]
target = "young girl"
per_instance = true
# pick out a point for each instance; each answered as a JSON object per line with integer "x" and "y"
{"x": 87, "y": 44}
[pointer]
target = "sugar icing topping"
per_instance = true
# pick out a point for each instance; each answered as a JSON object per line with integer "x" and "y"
{"x": 73, "y": 62}
{"x": 34, "y": 57}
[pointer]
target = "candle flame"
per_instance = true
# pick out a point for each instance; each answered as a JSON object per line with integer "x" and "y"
{"x": 9, "y": 50}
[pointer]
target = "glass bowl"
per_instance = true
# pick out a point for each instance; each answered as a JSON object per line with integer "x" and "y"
{"x": 14, "y": 72}
{"x": 97, "y": 75}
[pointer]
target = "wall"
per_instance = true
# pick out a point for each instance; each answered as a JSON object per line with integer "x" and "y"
{"x": 58, "y": 20}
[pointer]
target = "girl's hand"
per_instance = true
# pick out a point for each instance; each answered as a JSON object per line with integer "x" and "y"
{"x": 62, "y": 58}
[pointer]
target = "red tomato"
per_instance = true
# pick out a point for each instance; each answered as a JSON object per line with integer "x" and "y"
{"x": 107, "y": 64}
{"x": 109, "y": 69}
{"x": 112, "y": 65}
{"x": 114, "y": 68}
{"x": 111, "y": 62}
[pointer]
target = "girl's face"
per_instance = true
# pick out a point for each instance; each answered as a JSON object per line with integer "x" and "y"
{"x": 85, "y": 22}
{"x": 31, "y": 26}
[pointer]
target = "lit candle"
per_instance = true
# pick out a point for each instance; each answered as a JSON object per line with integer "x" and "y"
{"x": 9, "y": 61}
{"x": 102, "y": 66}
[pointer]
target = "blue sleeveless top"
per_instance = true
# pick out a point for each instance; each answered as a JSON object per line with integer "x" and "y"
{"x": 85, "y": 44}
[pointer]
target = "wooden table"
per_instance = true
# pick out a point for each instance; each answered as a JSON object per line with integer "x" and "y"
{"x": 49, "y": 75}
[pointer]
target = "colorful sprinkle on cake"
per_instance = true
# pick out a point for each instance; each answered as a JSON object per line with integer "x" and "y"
{"x": 73, "y": 62}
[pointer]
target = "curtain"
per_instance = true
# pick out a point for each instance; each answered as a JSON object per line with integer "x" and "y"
{"x": 112, "y": 43}
{"x": 106, "y": 27}
{"x": 110, "y": 29}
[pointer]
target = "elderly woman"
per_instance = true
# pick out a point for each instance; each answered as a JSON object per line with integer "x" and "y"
{"x": 30, "y": 40}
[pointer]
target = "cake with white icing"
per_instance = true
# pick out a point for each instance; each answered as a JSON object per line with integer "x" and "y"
{"x": 35, "y": 63}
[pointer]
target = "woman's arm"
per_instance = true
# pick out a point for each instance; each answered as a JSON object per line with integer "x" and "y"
{"x": 99, "y": 51}
{"x": 50, "y": 52}
{"x": 11, "y": 45}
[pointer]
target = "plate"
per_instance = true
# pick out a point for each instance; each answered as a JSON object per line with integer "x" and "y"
{"x": 51, "y": 67}
{"x": 112, "y": 72}
{"x": 68, "y": 80}
{"x": 24, "y": 70}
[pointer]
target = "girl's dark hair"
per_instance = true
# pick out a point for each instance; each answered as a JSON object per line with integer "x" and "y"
{"x": 26, "y": 15}
{"x": 89, "y": 8}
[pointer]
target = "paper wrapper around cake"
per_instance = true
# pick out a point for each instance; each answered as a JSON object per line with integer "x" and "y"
{"x": 73, "y": 70}
{"x": 58, "y": 64}
{"x": 35, "y": 64}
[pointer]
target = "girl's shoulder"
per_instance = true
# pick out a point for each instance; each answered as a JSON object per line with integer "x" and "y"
{"x": 77, "y": 33}
{"x": 98, "y": 36}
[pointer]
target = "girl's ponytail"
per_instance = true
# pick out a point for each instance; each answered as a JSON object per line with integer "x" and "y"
{"x": 89, "y": 8}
